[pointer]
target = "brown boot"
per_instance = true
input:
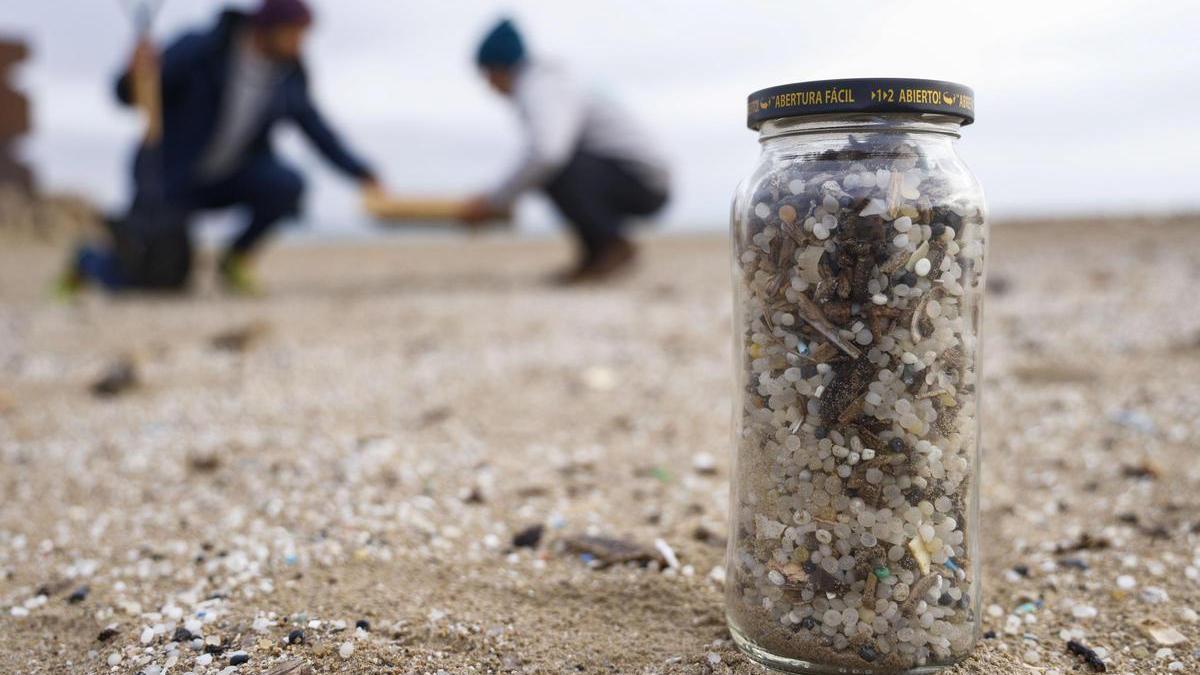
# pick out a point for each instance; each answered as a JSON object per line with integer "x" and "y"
{"x": 612, "y": 261}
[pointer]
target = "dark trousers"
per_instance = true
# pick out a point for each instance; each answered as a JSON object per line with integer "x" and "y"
{"x": 264, "y": 185}
{"x": 598, "y": 195}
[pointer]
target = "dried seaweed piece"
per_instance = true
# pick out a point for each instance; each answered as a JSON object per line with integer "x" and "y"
{"x": 946, "y": 417}
{"x": 935, "y": 254}
{"x": 606, "y": 551}
{"x": 783, "y": 262}
{"x": 823, "y": 353}
{"x": 838, "y": 313}
{"x": 953, "y": 359}
{"x": 869, "y": 587}
{"x": 850, "y": 378}
{"x": 826, "y": 290}
{"x": 880, "y": 318}
{"x": 863, "y": 270}
{"x": 868, "y": 438}
{"x": 845, "y": 283}
{"x": 894, "y": 263}
{"x": 853, "y": 411}
{"x": 811, "y": 313}
{"x": 924, "y": 211}
{"x": 918, "y": 591}
{"x": 894, "y": 198}
{"x": 918, "y": 312}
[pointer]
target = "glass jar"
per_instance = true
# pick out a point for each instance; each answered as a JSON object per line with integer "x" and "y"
{"x": 858, "y": 272}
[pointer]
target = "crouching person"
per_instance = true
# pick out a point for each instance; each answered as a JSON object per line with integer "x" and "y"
{"x": 223, "y": 91}
{"x": 592, "y": 160}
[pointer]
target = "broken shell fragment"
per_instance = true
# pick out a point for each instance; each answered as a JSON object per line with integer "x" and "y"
{"x": 920, "y": 554}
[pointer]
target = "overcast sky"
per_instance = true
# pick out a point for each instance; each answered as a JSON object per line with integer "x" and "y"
{"x": 1081, "y": 106}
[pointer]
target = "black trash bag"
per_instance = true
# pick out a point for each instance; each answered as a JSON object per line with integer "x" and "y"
{"x": 151, "y": 241}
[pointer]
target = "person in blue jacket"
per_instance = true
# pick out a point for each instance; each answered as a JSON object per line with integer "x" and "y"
{"x": 223, "y": 91}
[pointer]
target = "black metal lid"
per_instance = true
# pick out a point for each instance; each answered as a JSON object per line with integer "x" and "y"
{"x": 862, "y": 94}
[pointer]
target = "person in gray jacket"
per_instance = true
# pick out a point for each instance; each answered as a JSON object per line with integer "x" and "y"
{"x": 593, "y": 161}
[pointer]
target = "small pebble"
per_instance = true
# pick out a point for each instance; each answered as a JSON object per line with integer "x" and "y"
{"x": 1089, "y": 655}
{"x": 530, "y": 537}
{"x": 1084, "y": 611}
{"x": 346, "y": 650}
{"x": 1126, "y": 582}
{"x": 868, "y": 653}
{"x": 238, "y": 658}
{"x": 296, "y": 637}
{"x": 704, "y": 463}
{"x": 363, "y": 624}
{"x": 1154, "y": 595}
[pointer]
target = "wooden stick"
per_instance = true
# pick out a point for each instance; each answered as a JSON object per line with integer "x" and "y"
{"x": 386, "y": 207}
{"x": 147, "y": 97}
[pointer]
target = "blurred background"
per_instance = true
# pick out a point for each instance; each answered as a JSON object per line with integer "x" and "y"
{"x": 1076, "y": 100}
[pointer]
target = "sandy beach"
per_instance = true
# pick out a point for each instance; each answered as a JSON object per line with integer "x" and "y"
{"x": 363, "y": 443}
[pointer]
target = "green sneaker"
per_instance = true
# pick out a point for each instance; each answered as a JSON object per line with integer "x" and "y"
{"x": 237, "y": 276}
{"x": 67, "y": 286}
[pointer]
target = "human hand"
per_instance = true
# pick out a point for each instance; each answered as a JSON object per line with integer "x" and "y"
{"x": 144, "y": 58}
{"x": 374, "y": 196}
{"x": 478, "y": 210}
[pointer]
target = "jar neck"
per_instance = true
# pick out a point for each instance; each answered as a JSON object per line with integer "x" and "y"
{"x": 894, "y": 123}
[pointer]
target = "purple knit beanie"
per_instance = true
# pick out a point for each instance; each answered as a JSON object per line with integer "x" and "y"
{"x": 275, "y": 13}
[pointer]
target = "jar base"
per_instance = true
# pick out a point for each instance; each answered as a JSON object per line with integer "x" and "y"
{"x": 801, "y": 667}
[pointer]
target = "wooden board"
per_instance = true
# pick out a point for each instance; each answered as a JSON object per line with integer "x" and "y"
{"x": 386, "y": 207}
